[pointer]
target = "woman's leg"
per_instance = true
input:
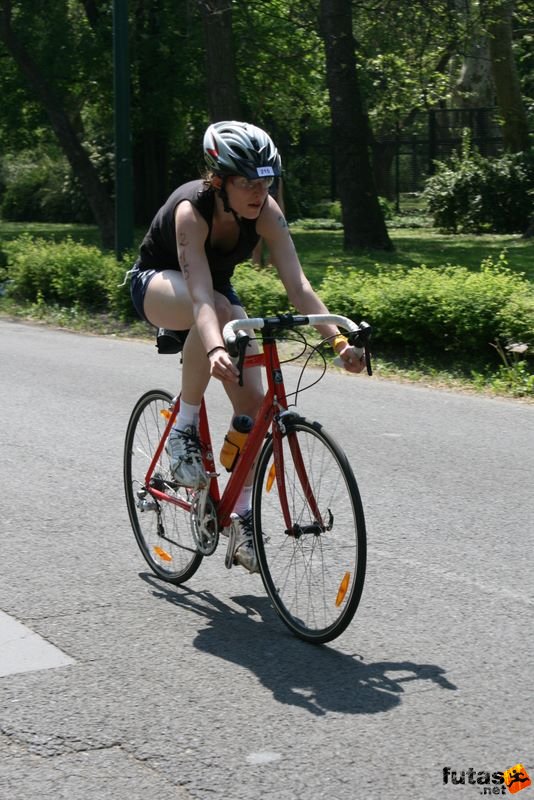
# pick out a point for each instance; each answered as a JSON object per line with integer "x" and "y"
{"x": 168, "y": 305}
{"x": 245, "y": 399}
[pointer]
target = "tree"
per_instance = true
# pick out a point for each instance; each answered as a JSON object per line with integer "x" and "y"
{"x": 223, "y": 92}
{"x": 497, "y": 15}
{"x": 362, "y": 217}
{"x": 65, "y": 128}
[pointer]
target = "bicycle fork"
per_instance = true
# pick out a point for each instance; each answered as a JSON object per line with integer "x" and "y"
{"x": 284, "y": 423}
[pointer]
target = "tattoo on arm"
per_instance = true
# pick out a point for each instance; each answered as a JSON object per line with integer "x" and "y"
{"x": 282, "y": 222}
{"x": 182, "y": 254}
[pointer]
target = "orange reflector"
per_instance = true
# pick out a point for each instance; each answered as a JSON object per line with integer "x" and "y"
{"x": 270, "y": 479}
{"x": 162, "y": 554}
{"x": 165, "y": 412}
{"x": 343, "y": 586}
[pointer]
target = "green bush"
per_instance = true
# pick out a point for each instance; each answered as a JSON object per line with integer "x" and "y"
{"x": 117, "y": 287}
{"x": 39, "y": 186}
{"x": 260, "y": 290}
{"x": 432, "y": 311}
{"x": 474, "y": 194}
{"x": 66, "y": 273}
{"x": 326, "y": 209}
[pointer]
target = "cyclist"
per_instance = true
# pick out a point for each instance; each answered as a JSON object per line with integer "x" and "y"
{"x": 182, "y": 281}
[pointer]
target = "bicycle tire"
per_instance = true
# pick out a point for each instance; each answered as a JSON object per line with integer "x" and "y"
{"x": 314, "y": 579}
{"x": 162, "y": 530}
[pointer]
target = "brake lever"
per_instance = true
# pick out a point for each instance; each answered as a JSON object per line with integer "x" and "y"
{"x": 242, "y": 344}
{"x": 360, "y": 339}
{"x": 368, "y": 364}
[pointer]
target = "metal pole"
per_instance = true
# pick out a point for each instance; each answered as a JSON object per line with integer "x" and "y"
{"x": 123, "y": 147}
{"x": 397, "y": 166}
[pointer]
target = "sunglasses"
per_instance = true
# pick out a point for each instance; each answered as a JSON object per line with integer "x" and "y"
{"x": 244, "y": 183}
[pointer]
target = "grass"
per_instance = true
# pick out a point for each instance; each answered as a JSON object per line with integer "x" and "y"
{"x": 87, "y": 234}
{"x": 318, "y": 249}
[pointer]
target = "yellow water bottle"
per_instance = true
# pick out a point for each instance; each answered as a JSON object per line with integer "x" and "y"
{"x": 234, "y": 440}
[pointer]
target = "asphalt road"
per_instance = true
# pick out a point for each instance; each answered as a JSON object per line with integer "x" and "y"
{"x": 201, "y": 692}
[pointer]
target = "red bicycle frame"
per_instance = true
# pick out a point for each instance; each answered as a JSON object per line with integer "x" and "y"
{"x": 274, "y": 402}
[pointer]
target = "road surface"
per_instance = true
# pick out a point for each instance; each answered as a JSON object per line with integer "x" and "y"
{"x": 137, "y": 690}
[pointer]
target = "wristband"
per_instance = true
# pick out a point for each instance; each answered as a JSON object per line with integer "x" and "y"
{"x": 339, "y": 339}
{"x": 213, "y": 349}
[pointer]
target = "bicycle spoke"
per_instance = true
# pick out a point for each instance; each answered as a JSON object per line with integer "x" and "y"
{"x": 162, "y": 529}
{"x": 314, "y": 573}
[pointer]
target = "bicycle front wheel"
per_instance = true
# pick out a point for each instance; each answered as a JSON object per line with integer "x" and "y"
{"x": 314, "y": 567}
{"x": 162, "y": 529}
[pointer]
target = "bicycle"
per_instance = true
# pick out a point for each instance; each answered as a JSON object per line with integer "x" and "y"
{"x": 308, "y": 520}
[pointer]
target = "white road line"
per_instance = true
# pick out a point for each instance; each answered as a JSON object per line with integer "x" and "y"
{"x": 22, "y": 650}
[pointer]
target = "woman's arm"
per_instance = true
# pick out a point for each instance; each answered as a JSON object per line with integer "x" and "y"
{"x": 191, "y": 233}
{"x": 274, "y": 228}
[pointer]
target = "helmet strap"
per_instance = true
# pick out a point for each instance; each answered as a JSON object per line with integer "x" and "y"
{"x": 224, "y": 197}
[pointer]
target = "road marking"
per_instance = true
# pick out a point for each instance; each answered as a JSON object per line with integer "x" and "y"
{"x": 22, "y": 650}
{"x": 264, "y": 757}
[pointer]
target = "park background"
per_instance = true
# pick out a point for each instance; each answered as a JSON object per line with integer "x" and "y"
{"x": 405, "y": 130}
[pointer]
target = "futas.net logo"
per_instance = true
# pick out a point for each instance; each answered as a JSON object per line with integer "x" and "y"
{"x": 510, "y": 780}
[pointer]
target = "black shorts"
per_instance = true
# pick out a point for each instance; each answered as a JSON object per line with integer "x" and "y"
{"x": 139, "y": 280}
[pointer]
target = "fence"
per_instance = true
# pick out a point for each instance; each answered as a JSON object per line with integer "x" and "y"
{"x": 404, "y": 160}
{"x": 434, "y": 137}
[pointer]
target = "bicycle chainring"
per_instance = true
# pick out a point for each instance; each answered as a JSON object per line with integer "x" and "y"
{"x": 204, "y": 524}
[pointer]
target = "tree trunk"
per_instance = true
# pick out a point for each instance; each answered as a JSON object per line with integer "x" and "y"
{"x": 82, "y": 167}
{"x": 223, "y": 91}
{"x": 362, "y": 217}
{"x": 151, "y": 167}
{"x": 383, "y": 156}
{"x": 498, "y": 19}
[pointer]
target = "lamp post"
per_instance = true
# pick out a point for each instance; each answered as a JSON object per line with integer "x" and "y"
{"x": 123, "y": 146}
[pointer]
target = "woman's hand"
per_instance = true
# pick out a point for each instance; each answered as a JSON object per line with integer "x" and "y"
{"x": 222, "y": 366}
{"x": 352, "y": 361}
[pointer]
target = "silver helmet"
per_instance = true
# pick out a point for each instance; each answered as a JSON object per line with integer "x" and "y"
{"x": 237, "y": 148}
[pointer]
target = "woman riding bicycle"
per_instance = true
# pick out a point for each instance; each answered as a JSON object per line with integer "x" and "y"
{"x": 182, "y": 281}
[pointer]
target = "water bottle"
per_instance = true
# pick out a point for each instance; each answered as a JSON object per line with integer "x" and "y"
{"x": 235, "y": 439}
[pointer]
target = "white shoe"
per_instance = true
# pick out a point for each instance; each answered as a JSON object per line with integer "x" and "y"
{"x": 183, "y": 448}
{"x": 240, "y": 545}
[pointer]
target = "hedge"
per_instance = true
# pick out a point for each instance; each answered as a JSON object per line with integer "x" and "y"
{"x": 421, "y": 310}
{"x": 431, "y": 311}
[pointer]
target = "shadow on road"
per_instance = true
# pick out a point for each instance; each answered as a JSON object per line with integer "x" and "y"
{"x": 317, "y": 678}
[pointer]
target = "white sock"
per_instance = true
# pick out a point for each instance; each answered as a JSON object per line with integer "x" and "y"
{"x": 244, "y": 501}
{"x": 187, "y": 415}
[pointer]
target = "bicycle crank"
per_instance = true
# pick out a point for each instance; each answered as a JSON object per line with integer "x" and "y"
{"x": 204, "y": 524}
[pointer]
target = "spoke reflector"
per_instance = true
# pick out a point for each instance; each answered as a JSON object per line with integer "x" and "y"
{"x": 162, "y": 553}
{"x": 343, "y": 586}
{"x": 270, "y": 479}
{"x": 165, "y": 412}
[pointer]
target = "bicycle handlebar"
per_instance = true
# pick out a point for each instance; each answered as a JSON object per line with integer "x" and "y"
{"x": 286, "y": 321}
{"x": 358, "y": 335}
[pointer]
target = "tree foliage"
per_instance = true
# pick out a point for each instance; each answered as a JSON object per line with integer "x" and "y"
{"x": 56, "y": 82}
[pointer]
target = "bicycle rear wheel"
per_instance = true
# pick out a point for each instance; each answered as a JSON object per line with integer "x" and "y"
{"x": 313, "y": 570}
{"x": 162, "y": 529}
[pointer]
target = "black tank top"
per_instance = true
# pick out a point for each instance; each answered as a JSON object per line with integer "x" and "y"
{"x": 159, "y": 249}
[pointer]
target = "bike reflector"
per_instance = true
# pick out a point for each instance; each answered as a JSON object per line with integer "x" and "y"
{"x": 342, "y": 591}
{"x": 162, "y": 554}
{"x": 270, "y": 479}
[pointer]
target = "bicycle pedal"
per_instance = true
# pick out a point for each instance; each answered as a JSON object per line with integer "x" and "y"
{"x": 229, "y": 558}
